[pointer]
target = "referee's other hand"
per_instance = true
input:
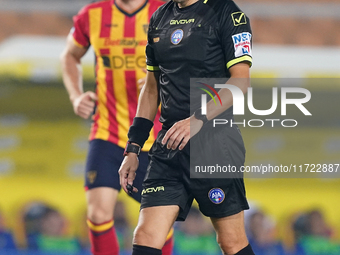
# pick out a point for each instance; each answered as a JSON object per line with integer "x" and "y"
{"x": 127, "y": 172}
{"x": 180, "y": 133}
{"x": 83, "y": 105}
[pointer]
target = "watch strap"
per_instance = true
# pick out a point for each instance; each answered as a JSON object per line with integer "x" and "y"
{"x": 198, "y": 115}
{"x": 132, "y": 148}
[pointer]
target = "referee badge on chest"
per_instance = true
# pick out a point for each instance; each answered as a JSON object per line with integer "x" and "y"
{"x": 176, "y": 36}
{"x": 216, "y": 195}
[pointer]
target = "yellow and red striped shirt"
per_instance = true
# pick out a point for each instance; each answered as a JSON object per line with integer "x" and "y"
{"x": 118, "y": 39}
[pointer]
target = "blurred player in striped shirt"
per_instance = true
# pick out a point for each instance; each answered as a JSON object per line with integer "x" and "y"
{"x": 117, "y": 31}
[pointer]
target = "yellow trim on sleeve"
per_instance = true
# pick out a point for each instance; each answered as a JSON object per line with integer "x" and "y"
{"x": 99, "y": 228}
{"x": 78, "y": 44}
{"x": 238, "y": 60}
{"x": 152, "y": 68}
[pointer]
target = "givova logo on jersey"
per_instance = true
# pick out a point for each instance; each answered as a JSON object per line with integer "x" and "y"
{"x": 242, "y": 44}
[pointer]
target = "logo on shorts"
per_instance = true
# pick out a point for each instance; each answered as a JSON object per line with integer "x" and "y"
{"x": 91, "y": 176}
{"x": 177, "y": 36}
{"x": 216, "y": 195}
{"x": 150, "y": 190}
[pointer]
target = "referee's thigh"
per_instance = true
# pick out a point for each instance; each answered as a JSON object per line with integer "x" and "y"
{"x": 230, "y": 233}
{"x": 154, "y": 224}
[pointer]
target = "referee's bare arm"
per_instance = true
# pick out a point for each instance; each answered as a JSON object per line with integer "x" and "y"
{"x": 149, "y": 97}
{"x": 240, "y": 77}
{"x": 147, "y": 108}
{"x": 180, "y": 133}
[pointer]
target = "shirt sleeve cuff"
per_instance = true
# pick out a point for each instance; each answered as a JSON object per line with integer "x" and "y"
{"x": 78, "y": 44}
{"x": 235, "y": 61}
{"x": 152, "y": 68}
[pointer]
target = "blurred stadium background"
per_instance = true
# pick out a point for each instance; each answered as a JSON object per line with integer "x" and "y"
{"x": 43, "y": 144}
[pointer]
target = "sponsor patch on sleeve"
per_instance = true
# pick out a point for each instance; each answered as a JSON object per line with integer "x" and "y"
{"x": 242, "y": 44}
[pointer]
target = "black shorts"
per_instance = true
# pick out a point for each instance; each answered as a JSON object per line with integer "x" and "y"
{"x": 168, "y": 181}
{"x": 102, "y": 165}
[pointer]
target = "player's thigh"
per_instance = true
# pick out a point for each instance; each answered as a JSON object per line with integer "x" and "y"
{"x": 102, "y": 179}
{"x": 154, "y": 224}
{"x": 100, "y": 204}
{"x": 230, "y": 232}
{"x": 103, "y": 161}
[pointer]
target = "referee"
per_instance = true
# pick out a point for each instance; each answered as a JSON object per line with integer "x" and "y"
{"x": 189, "y": 39}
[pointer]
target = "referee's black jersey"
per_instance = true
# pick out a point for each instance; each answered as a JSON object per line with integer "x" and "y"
{"x": 202, "y": 40}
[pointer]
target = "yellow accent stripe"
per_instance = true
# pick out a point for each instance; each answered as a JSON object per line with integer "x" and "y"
{"x": 238, "y": 60}
{"x": 100, "y": 228}
{"x": 103, "y": 121}
{"x": 119, "y": 79}
{"x": 152, "y": 68}
{"x": 171, "y": 233}
{"x": 77, "y": 43}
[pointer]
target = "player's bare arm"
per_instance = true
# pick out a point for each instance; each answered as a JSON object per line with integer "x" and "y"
{"x": 83, "y": 103}
{"x": 147, "y": 109}
{"x": 180, "y": 133}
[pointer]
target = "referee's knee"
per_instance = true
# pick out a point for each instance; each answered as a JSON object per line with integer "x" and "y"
{"x": 142, "y": 236}
{"x": 145, "y": 237}
{"x": 232, "y": 244}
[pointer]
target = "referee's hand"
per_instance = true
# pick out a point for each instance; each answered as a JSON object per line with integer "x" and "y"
{"x": 181, "y": 132}
{"x": 127, "y": 172}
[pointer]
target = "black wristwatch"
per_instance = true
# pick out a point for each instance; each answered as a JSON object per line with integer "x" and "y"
{"x": 198, "y": 115}
{"x": 132, "y": 148}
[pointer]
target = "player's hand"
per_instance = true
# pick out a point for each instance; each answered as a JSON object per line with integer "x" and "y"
{"x": 141, "y": 81}
{"x": 84, "y": 104}
{"x": 181, "y": 132}
{"x": 127, "y": 172}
